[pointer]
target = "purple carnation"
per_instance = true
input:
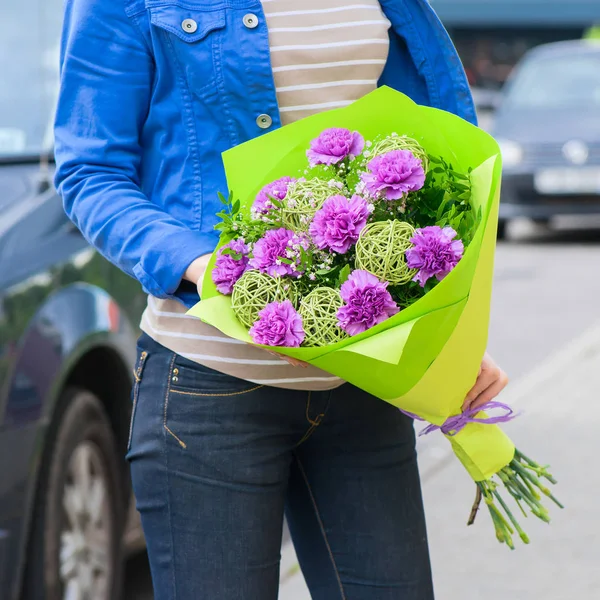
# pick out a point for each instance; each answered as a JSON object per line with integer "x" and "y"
{"x": 277, "y": 189}
{"x": 275, "y": 245}
{"x": 337, "y": 225}
{"x": 435, "y": 252}
{"x": 229, "y": 269}
{"x": 367, "y": 303}
{"x": 394, "y": 174}
{"x": 278, "y": 324}
{"x": 334, "y": 145}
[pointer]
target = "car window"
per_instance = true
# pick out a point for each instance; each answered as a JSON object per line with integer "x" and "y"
{"x": 557, "y": 82}
{"x": 29, "y": 47}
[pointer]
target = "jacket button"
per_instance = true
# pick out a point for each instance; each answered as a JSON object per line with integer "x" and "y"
{"x": 189, "y": 25}
{"x": 264, "y": 121}
{"x": 250, "y": 21}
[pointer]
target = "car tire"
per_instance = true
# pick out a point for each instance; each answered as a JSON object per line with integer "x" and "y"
{"x": 78, "y": 517}
{"x": 501, "y": 234}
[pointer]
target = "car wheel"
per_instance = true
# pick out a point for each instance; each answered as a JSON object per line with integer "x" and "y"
{"x": 75, "y": 546}
{"x": 501, "y": 234}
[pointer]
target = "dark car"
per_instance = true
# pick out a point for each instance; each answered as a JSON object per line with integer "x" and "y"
{"x": 68, "y": 323}
{"x": 548, "y": 127}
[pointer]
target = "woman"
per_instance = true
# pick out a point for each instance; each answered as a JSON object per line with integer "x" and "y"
{"x": 224, "y": 435}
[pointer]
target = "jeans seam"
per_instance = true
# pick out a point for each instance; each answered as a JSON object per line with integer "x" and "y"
{"x": 322, "y": 528}
{"x": 137, "y": 374}
{"x": 168, "y": 393}
{"x": 317, "y": 420}
{"x": 174, "y": 391}
{"x": 314, "y": 423}
{"x": 168, "y": 491}
{"x": 306, "y": 435}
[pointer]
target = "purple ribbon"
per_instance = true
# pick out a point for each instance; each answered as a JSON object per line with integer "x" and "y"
{"x": 452, "y": 425}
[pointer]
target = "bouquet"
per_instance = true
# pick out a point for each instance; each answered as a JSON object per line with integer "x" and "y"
{"x": 361, "y": 241}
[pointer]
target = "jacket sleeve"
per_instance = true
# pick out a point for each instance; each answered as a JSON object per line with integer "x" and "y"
{"x": 105, "y": 88}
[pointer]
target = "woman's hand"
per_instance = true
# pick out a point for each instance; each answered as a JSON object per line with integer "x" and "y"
{"x": 195, "y": 274}
{"x": 491, "y": 380}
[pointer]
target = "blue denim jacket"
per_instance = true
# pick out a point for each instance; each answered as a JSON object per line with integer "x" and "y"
{"x": 147, "y": 106}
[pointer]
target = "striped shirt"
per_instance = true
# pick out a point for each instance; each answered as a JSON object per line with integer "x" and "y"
{"x": 325, "y": 54}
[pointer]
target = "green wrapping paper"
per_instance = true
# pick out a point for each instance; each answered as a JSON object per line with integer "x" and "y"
{"x": 425, "y": 359}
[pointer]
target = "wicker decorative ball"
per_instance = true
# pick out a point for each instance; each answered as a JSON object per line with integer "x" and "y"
{"x": 303, "y": 200}
{"x": 400, "y": 142}
{"x": 381, "y": 250}
{"x": 254, "y": 290}
{"x": 319, "y": 317}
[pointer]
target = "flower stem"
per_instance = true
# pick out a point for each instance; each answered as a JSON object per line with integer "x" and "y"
{"x": 521, "y": 478}
{"x": 514, "y": 521}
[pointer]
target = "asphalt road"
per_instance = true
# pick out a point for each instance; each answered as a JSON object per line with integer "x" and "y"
{"x": 546, "y": 291}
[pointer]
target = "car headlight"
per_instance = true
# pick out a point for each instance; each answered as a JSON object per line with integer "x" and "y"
{"x": 512, "y": 153}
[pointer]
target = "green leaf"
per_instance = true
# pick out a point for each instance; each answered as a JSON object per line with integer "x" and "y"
{"x": 344, "y": 274}
{"x": 236, "y": 207}
{"x": 435, "y": 159}
{"x": 222, "y": 198}
{"x": 461, "y": 187}
{"x": 430, "y": 284}
{"x": 286, "y": 261}
{"x": 440, "y": 211}
{"x": 305, "y": 258}
{"x": 324, "y": 271}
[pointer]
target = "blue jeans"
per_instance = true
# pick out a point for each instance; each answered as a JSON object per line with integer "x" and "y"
{"x": 217, "y": 460}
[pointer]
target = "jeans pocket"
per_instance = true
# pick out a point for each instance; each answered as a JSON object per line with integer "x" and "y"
{"x": 137, "y": 374}
{"x": 198, "y": 396}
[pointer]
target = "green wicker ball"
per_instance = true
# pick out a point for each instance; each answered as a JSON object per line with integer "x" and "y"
{"x": 254, "y": 290}
{"x": 319, "y": 317}
{"x": 400, "y": 142}
{"x": 381, "y": 250}
{"x": 303, "y": 200}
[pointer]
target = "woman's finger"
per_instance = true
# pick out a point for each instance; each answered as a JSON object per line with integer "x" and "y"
{"x": 485, "y": 380}
{"x": 491, "y": 392}
{"x": 293, "y": 361}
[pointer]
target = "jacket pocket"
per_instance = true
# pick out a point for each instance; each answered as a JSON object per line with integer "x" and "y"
{"x": 137, "y": 374}
{"x": 192, "y": 38}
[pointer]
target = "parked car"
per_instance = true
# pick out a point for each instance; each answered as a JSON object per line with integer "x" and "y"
{"x": 67, "y": 346}
{"x": 68, "y": 323}
{"x": 486, "y": 103}
{"x": 548, "y": 127}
